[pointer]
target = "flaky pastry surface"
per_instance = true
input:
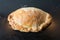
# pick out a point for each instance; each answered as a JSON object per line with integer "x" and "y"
{"x": 29, "y": 19}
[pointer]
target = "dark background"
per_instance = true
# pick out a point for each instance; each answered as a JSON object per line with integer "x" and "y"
{"x": 50, "y": 6}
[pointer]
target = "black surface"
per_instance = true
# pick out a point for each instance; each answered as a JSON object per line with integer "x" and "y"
{"x": 50, "y": 6}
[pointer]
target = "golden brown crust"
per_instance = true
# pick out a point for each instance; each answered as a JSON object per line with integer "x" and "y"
{"x": 29, "y": 19}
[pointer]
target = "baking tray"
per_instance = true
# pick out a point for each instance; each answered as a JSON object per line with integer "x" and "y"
{"x": 52, "y": 32}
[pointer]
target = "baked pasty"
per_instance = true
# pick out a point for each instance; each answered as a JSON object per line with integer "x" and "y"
{"x": 29, "y": 19}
